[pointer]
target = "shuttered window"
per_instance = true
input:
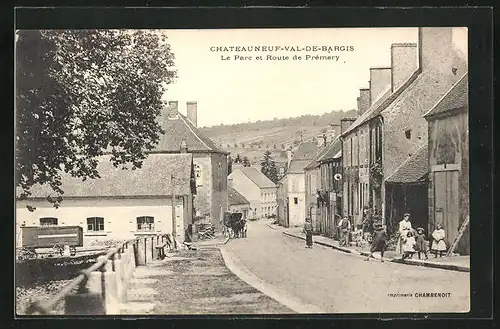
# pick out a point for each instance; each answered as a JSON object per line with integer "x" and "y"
{"x": 145, "y": 223}
{"x": 95, "y": 224}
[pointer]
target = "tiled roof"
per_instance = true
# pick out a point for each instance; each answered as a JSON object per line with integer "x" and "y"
{"x": 235, "y": 197}
{"x": 180, "y": 128}
{"x": 333, "y": 149}
{"x": 314, "y": 162}
{"x": 152, "y": 179}
{"x": 306, "y": 151}
{"x": 413, "y": 170}
{"x": 456, "y": 97}
{"x": 297, "y": 166}
{"x": 257, "y": 177}
{"x": 385, "y": 100}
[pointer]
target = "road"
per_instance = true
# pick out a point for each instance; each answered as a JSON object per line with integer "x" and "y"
{"x": 338, "y": 282}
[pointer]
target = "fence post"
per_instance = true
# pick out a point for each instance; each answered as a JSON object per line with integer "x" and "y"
{"x": 90, "y": 302}
{"x": 109, "y": 285}
{"x": 140, "y": 253}
{"x": 119, "y": 277}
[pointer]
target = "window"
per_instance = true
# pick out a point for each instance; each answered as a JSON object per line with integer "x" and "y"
{"x": 408, "y": 133}
{"x": 95, "y": 224}
{"x": 295, "y": 200}
{"x": 145, "y": 224}
{"x": 48, "y": 221}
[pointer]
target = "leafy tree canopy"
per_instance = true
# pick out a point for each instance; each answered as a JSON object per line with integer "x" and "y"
{"x": 80, "y": 93}
{"x": 268, "y": 167}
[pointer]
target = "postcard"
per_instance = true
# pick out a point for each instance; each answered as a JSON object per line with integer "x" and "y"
{"x": 242, "y": 171}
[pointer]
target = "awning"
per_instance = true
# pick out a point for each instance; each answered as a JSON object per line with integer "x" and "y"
{"x": 413, "y": 170}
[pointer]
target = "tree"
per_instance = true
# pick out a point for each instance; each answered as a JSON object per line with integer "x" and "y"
{"x": 229, "y": 165}
{"x": 268, "y": 167}
{"x": 80, "y": 93}
{"x": 246, "y": 162}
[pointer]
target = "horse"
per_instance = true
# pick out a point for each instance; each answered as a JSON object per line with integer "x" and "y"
{"x": 235, "y": 224}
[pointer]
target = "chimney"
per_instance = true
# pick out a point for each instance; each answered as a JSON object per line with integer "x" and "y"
{"x": 404, "y": 62}
{"x": 289, "y": 156}
{"x": 436, "y": 49}
{"x": 380, "y": 80}
{"x": 363, "y": 100}
{"x": 192, "y": 112}
{"x": 173, "y": 110}
{"x": 345, "y": 123}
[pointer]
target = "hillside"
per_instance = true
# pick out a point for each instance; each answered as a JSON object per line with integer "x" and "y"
{"x": 254, "y": 138}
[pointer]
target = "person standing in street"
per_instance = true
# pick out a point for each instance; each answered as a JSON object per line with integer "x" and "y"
{"x": 308, "y": 229}
{"x": 344, "y": 226}
{"x": 367, "y": 224}
{"x": 379, "y": 241}
{"x": 438, "y": 244}
{"x": 404, "y": 228}
{"x": 422, "y": 244}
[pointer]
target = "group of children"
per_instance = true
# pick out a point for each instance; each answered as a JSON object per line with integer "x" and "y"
{"x": 417, "y": 243}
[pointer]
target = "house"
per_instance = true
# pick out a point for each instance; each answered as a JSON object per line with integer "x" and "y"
{"x": 296, "y": 187}
{"x": 329, "y": 195}
{"x": 448, "y": 155}
{"x": 259, "y": 190}
{"x": 210, "y": 162}
{"x": 122, "y": 204}
{"x": 312, "y": 185}
{"x": 392, "y": 129}
{"x": 282, "y": 201}
{"x": 238, "y": 203}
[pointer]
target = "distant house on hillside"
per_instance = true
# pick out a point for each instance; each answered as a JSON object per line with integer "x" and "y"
{"x": 256, "y": 188}
{"x": 210, "y": 162}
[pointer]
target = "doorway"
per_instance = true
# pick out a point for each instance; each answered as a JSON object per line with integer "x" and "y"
{"x": 446, "y": 210}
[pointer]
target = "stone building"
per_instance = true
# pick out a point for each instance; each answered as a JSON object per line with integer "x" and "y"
{"x": 329, "y": 198}
{"x": 296, "y": 187}
{"x": 210, "y": 162}
{"x": 259, "y": 190}
{"x": 238, "y": 203}
{"x": 448, "y": 156}
{"x": 122, "y": 204}
{"x": 393, "y": 129}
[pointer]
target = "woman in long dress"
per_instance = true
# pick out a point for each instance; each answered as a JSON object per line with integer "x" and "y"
{"x": 404, "y": 228}
{"x": 438, "y": 244}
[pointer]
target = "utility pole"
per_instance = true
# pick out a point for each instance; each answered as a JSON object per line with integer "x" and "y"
{"x": 174, "y": 233}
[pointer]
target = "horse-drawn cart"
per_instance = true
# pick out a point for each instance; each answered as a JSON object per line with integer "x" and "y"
{"x": 235, "y": 225}
{"x": 55, "y": 237}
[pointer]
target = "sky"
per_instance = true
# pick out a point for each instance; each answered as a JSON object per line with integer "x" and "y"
{"x": 235, "y": 91}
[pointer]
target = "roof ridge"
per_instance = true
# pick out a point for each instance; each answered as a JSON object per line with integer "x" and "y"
{"x": 190, "y": 129}
{"x": 259, "y": 172}
{"x": 446, "y": 94}
{"x": 386, "y": 102}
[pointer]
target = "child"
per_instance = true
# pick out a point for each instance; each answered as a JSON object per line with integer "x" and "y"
{"x": 438, "y": 244}
{"x": 409, "y": 246}
{"x": 421, "y": 242}
{"x": 379, "y": 241}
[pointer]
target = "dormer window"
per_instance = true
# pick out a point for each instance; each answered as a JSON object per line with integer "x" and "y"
{"x": 408, "y": 133}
